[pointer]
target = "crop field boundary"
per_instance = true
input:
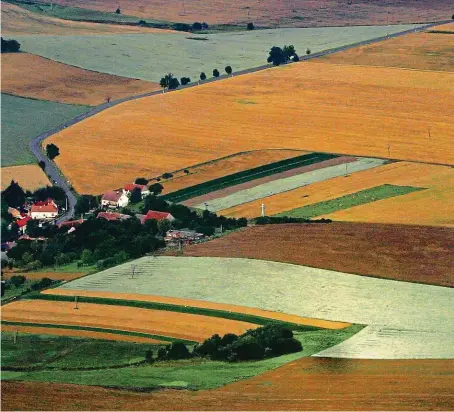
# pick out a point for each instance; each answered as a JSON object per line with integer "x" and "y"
{"x": 371, "y": 195}
{"x": 258, "y": 320}
{"x": 246, "y": 176}
{"x": 94, "y": 329}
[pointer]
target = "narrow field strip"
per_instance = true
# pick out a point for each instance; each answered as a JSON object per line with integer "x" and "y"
{"x": 246, "y": 176}
{"x": 345, "y": 202}
{"x": 290, "y": 183}
{"x": 233, "y": 312}
{"x": 85, "y": 332}
{"x": 289, "y": 173}
{"x": 181, "y": 326}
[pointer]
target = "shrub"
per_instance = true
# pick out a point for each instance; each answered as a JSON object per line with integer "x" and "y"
{"x": 308, "y": 51}
{"x": 215, "y": 73}
{"x": 149, "y": 356}
{"x": 35, "y": 265}
{"x": 52, "y": 151}
{"x": 228, "y": 339}
{"x": 42, "y": 165}
{"x": 209, "y": 347}
{"x": 247, "y": 348}
{"x": 203, "y": 76}
{"x": 118, "y": 11}
{"x": 186, "y": 171}
{"x": 185, "y": 80}
{"x": 136, "y": 195}
{"x": 17, "y": 280}
{"x": 177, "y": 350}
{"x": 167, "y": 175}
{"x": 181, "y": 27}
{"x": 42, "y": 284}
{"x": 156, "y": 188}
{"x": 10, "y": 46}
{"x": 162, "y": 354}
{"x": 228, "y": 70}
{"x": 197, "y": 26}
{"x": 141, "y": 181}
{"x": 250, "y": 26}
{"x": 282, "y": 346}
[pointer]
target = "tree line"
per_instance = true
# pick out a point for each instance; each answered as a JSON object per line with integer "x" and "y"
{"x": 170, "y": 82}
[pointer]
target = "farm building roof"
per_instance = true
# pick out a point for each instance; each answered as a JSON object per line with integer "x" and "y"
{"x": 22, "y": 222}
{"x": 112, "y": 216}
{"x": 112, "y": 196}
{"x": 152, "y": 214}
{"x": 131, "y": 186}
{"x": 71, "y": 223}
{"x": 44, "y": 207}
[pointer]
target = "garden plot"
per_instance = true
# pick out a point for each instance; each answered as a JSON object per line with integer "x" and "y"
{"x": 293, "y": 290}
{"x": 135, "y": 55}
{"x": 290, "y": 183}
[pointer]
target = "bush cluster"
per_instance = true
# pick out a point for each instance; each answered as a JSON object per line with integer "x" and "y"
{"x": 175, "y": 351}
{"x": 10, "y": 46}
{"x": 270, "y": 220}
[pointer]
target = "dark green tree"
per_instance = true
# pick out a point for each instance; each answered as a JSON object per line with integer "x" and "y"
{"x": 215, "y": 73}
{"x": 42, "y": 164}
{"x": 289, "y": 52}
{"x": 118, "y": 11}
{"x": 13, "y": 195}
{"x": 197, "y": 26}
{"x": 52, "y": 151}
{"x": 136, "y": 195}
{"x": 203, "y": 76}
{"x": 185, "y": 80}
{"x": 141, "y": 181}
{"x": 156, "y": 188}
{"x": 10, "y": 46}
{"x": 228, "y": 70}
{"x": 276, "y": 56}
{"x": 250, "y": 26}
{"x": 85, "y": 203}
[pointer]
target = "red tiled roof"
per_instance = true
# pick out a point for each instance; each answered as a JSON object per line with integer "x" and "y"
{"x": 72, "y": 223}
{"x": 23, "y": 222}
{"x": 46, "y": 202}
{"x": 112, "y": 196}
{"x": 156, "y": 215}
{"x": 131, "y": 186}
{"x": 111, "y": 216}
{"x": 48, "y": 207}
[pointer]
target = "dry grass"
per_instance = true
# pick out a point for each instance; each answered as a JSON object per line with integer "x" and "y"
{"x": 422, "y": 51}
{"x": 30, "y": 177}
{"x": 163, "y": 323}
{"x": 432, "y": 206}
{"x": 18, "y": 21}
{"x": 326, "y": 324}
{"x": 333, "y": 108}
{"x": 79, "y": 333}
{"x": 223, "y": 167}
{"x": 289, "y": 13}
{"x": 27, "y": 75}
{"x": 306, "y": 384}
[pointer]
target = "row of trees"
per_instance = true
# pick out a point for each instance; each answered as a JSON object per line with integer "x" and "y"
{"x": 15, "y": 196}
{"x": 170, "y": 82}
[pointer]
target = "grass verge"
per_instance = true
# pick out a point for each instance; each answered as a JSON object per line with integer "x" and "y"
{"x": 345, "y": 202}
{"x": 246, "y": 176}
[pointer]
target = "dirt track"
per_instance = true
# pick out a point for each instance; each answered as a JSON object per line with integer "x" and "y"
{"x": 307, "y": 384}
{"x": 408, "y": 253}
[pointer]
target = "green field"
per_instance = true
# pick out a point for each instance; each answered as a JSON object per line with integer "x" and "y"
{"x": 23, "y": 119}
{"x": 246, "y": 176}
{"x": 193, "y": 373}
{"x": 150, "y": 56}
{"x": 346, "y": 202}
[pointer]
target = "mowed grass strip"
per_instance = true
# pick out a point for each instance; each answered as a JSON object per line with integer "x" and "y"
{"x": 146, "y": 302}
{"x": 334, "y": 109}
{"x": 155, "y": 338}
{"x": 30, "y": 177}
{"x": 345, "y": 202}
{"x": 154, "y": 322}
{"x": 246, "y": 176}
{"x": 23, "y": 119}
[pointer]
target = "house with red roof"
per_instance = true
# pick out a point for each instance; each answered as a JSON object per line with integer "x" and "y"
{"x": 152, "y": 214}
{"x": 114, "y": 199}
{"x": 71, "y": 223}
{"x": 46, "y": 209}
{"x": 112, "y": 216}
{"x": 22, "y": 223}
{"x": 128, "y": 188}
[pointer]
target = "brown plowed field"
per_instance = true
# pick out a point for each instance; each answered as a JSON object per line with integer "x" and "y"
{"x": 408, "y": 253}
{"x": 327, "y": 324}
{"x": 27, "y": 75}
{"x": 293, "y": 172}
{"x": 40, "y": 275}
{"x": 432, "y": 206}
{"x": 334, "y": 109}
{"x": 288, "y": 13}
{"x": 422, "y": 51}
{"x": 222, "y": 167}
{"x": 30, "y": 177}
{"x": 19, "y": 21}
{"x": 78, "y": 333}
{"x": 306, "y": 384}
{"x": 178, "y": 325}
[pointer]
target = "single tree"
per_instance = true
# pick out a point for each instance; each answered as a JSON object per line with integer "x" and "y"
{"x": 13, "y": 195}
{"x": 141, "y": 181}
{"x": 308, "y": 51}
{"x": 136, "y": 195}
{"x": 185, "y": 80}
{"x": 10, "y": 46}
{"x": 42, "y": 164}
{"x": 215, "y": 73}
{"x": 289, "y": 52}
{"x": 118, "y": 11}
{"x": 203, "y": 76}
{"x": 276, "y": 56}
{"x": 250, "y": 26}
{"x": 197, "y": 26}
{"x": 85, "y": 203}
{"x": 87, "y": 257}
{"x": 156, "y": 188}
{"x": 228, "y": 70}
{"x": 52, "y": 151}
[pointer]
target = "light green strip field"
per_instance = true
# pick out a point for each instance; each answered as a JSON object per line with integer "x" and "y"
{"x": 346, "y": 202}
{"x": 23, "y": 119}
{"x": 150, "y": 56}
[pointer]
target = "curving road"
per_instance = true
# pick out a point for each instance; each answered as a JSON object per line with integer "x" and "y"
{"x": 58, "y": 179}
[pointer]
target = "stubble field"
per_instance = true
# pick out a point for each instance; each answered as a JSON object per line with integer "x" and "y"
{"x": 335, "y": 108}
{"x": 30, "y": 177}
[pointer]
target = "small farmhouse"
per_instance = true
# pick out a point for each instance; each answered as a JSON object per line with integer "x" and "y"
{"x": 152, "y": 214}
{"x": 131, "y": 186}
{"x": 114, "y": 199}
{"x": 46, "y": 209}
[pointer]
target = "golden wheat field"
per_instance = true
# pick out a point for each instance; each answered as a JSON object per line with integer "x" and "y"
{"x": 433, "y": 206}
{"x": 28, "y": 75}
{"x": 305, "y": 106}
{"x": 30, "y": 177}
{"x": 423, "y": 51}
{"x": 443, "y": 27}
{"x": 157, "y": 322}
{"x": 19, "y": 21}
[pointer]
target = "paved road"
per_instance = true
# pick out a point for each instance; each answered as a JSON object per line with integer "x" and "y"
{"x": 58, "y": 179}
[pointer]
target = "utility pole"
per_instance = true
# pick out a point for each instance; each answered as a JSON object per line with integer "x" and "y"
{"x": 15, "y": 336}
{"x": 133, "y": 271}
{"x": 75, "y": 302}
{"x": 263, "y": 209}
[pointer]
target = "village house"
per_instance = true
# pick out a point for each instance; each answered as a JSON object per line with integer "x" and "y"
{"x": 152, "y": 214}
{"x": 22, "y": 223}
{"x": 46, "y": 209}
{"x": 128, "y": 188}
{"x": 71, "y": 224}
{"x": 114, "y": 199}
{"x": 112, "y": 216}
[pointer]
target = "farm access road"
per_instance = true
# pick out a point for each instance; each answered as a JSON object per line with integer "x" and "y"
{"x": 58, "y": 179}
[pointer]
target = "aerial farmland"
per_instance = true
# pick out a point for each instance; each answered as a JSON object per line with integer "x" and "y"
{"x": 227, "y": 205}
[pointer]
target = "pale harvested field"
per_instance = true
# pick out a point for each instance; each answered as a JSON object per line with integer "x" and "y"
{"x": 78, "y": 333}
{"x": 18, "y": 21}
{"x": 296, "y": 290}
{"x": 222, "y": 167}
{"x": 40, "y": 275}
{"x": 202, "y": 304}
{"x": 422, "y": 51}
{"x": 307, "y": 384}
{"x": 432, "y": 206}
{"x": 171, "y": 324}
{"x": 27, "y": 75}
{"x": 334, "y": 108}
{"x": 30, "y": 177}
{"x": 289, "y": 13}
